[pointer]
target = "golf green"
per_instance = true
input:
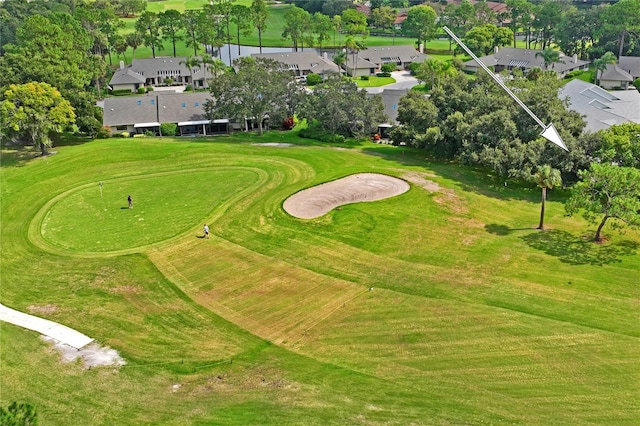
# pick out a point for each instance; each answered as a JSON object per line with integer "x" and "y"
{"x": 96, "y": 217}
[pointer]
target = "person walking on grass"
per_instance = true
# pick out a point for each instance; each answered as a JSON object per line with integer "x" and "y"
{"x": 130, "y": 201}
{"x": 206, "y": 231}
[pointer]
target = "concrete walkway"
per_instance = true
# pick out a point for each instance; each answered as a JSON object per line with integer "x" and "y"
{"x": 59, "y": 332}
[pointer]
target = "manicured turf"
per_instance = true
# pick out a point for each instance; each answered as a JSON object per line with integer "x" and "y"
{"x": 429, "y": 307}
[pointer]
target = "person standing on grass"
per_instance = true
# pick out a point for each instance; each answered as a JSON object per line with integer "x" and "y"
{"x": 206, "y": 231}
{"x": 130, "y": 201}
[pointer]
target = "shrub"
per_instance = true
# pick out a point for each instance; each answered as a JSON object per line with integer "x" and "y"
{"x": 139, "y": 135}
{"x": 188, "y": 88}
{"x": 103, "y": 132}
{"x": 574, "y": 73}
{"x": 315, "y": 132}
{"x": 168, "y": 129}
{"x": 149, "y": 88}
{"x": 414, "y": 67}
{"x": 313, "y": 79}
{"x": 384, "y": 74}
{"x": 125, "y": 134}
{"x": 389, "y": 67}
{"x": 142, "y": 90}
{"x": 121, "y": 92}
{"x": 168, "y": 81}
{"x": 149, "y": 133}
{"x": 364, "y": 77}
{"x": 636, "y": 84}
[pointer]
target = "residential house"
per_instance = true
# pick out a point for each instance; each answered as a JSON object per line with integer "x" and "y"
{"x": 402, "y": 56}
{"x": 371, "y": 60}
{"x": 356, "y": 66}
{"x": 141, "y": 114}
{"x": 614, "y": 77}
{"x": 400, "y": 18}
{"x": 390, "y": 100}
{"x": 630, "y": 64}
{"x": 159, "y": 71}
{"x": 509, "y": 58}
{"x": 599, "y": 108}
{"x": 303, "y": 63}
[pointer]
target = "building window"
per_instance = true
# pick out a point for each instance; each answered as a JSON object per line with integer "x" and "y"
{"x": 153, "y": 101}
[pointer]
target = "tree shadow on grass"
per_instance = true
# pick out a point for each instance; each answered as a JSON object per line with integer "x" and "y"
{"x": 578, "y": 250}
{"x": 496, "y": 229}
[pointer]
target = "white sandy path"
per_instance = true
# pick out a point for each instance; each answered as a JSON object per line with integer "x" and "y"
{"x": 319, "y": 200}
{"x": 56, "y": 331}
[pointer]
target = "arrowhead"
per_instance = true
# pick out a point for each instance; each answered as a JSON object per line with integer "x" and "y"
{"x": 551, "y": 134}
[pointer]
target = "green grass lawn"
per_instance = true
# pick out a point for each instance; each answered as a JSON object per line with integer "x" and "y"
{"x": 474, "y": 317}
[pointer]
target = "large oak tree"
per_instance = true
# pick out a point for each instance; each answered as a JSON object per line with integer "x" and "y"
{"x": 259, "y": 89}
{"x": 33, "y": 111}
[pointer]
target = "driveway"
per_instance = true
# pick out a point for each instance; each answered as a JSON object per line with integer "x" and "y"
{"x": 404, "y": 81}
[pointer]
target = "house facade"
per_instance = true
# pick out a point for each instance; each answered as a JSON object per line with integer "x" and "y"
{"x": 302, "y": 64}
{"x": 614, "y": 77}
{"x": 161, "y": 71}
{"x": 509, "y": 58}
{"x": 141, "y": 114}
{"x": 369, "y": 61}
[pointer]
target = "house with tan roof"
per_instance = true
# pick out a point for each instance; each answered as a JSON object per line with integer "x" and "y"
{"x": 509, "y": 58}
{"x": 160, "y": 71}
{"x": 614, "y": 77}
{"x": 302, "y": 64}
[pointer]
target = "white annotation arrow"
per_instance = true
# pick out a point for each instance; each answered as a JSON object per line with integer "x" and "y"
{"x": 548, "y": 132}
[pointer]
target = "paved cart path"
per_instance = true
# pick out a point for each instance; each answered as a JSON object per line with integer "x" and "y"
{"x": 59, "y": 332}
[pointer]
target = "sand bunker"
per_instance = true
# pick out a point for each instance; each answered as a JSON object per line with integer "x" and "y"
{"x": 319, "y": 200}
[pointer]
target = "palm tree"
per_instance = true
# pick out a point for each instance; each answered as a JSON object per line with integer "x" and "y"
{"x": 549, "y": 56}
{"x": 355, "y": 46}
{"x": 191, "y": 62}
{"x": 339, "y": 57}
{"x": 546, "y": 177}
{"x": 217, "y": 68}
{"x": 601, "y": 63}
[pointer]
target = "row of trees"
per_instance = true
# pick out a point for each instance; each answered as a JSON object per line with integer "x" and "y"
{"x": 209, "y": 26}
{"x": 587, "y": 32}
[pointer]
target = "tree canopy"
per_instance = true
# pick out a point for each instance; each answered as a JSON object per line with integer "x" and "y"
{"x": 339, "y": 107}
{"x": 260, "y": 89}
{"x": 420, "y": 23}
{"x": 607, "y": 192}
{"x": 33, "y": 111}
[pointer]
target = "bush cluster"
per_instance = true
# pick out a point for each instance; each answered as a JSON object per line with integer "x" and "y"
{"x": 383, "y": 74}
{"x": 316, "y": 133}
{"x": 313, "y": 79}
{"x": 168, "y": 129}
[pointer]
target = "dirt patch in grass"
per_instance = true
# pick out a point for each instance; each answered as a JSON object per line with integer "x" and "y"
{"x": 122, "y": 289}
{"x": 421, "y": 180}
{"x": 92, "y": 355}
{"x": 42, "y": 309}
{"x": 319, "y": 200}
